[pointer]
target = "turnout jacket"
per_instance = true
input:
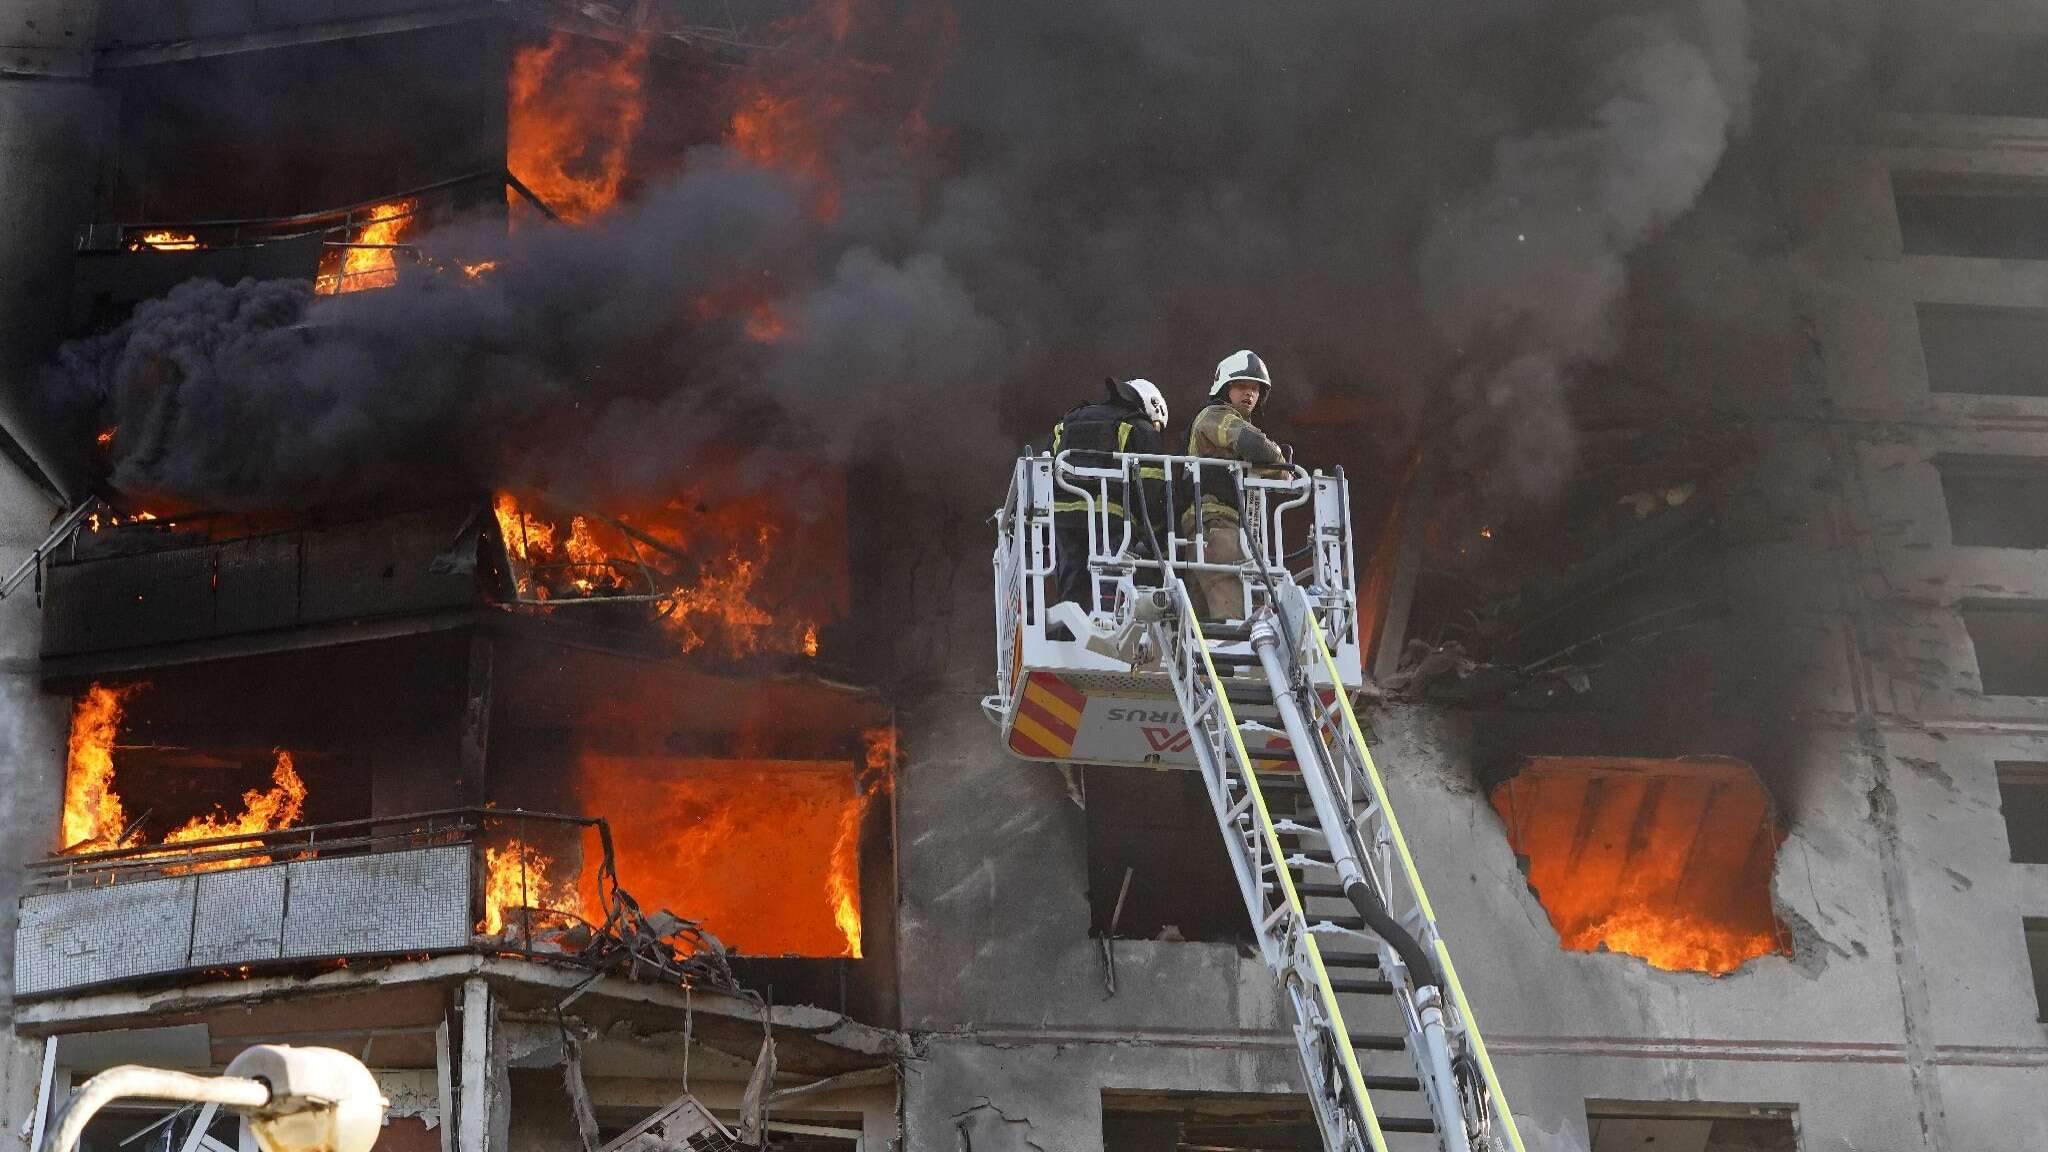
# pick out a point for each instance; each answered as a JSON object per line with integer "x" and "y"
{"x": 1220, "y": 432}
{"x": 1093, "y": 432}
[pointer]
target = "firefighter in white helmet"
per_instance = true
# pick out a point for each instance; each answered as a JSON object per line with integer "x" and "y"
{"x": 1131, "y": 418}
{"x": 1224, "y": 430}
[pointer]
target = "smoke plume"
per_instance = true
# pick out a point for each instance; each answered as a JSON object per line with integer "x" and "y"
{"x": 1437, "y": 207}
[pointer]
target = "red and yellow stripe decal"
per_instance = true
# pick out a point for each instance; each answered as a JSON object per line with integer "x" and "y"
{"x": 1048, "y": 718}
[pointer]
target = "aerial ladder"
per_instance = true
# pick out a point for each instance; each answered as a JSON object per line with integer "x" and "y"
{"x": 1390, "y": 1053}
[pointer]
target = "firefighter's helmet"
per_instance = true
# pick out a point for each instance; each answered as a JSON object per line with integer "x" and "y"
{"x": 1150, "y": 398}
{"x": 1243, "y": 364}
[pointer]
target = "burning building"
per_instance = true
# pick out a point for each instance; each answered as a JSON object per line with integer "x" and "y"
{"x": 661, "y": 770}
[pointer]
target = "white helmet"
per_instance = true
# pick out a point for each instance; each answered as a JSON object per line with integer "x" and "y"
{"x": 1148, "y": 394}
{"x": 1243, "y": 364}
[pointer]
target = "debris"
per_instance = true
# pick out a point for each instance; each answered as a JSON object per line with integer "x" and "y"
{"x": 1447, "y": 673}
{"x": 681, "y": 1125}
{"x": 760, "y": 1086}
{"x": 579, "y": 1093}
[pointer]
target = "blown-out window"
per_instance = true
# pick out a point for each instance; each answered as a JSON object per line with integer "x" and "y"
{"x": 1658, "y": 1126}
{"x": 1666, "y": 860}
{"x": 2011, "y": 641}
{"x": 1996, "y": 501}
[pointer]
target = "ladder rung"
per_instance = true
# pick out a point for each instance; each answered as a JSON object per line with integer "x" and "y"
{"x": 1227, "y": 633}
{"x": 1233, "y": 659}
{"x": 1247, "y": 692}
{"x": 1351, "y": 960}
{"x": 1392, "y": 1084}
{"x": 1360, "y": 986}
{"x": 1319, "y": 891}
{"x": 1348, "y": 923}
{"x": 1378, "y": 1042}
{"x": 1407, "y": 1124}
{"x": 1281, "y": 781}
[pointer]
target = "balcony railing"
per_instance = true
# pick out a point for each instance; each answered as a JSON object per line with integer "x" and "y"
{"x": 535, "y": 884}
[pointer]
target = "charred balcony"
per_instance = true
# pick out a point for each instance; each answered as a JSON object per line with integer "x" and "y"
{"x": 249, "y": 677}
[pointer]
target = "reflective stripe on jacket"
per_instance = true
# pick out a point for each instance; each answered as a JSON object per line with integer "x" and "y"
{"x": 1092, "y": 433}
{"x": 1220, "y": 432}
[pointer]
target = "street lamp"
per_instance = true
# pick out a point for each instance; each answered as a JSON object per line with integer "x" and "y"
{"x": 296, "y": 1099}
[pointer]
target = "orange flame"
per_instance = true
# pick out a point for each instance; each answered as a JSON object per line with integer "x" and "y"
{"x": 518, "y": 876}
{"x": 275, "y": 808}
{"x": 842, "y": 884}
{"x": 368, "y": 261}
{"x": 764, "y": 853}
{"x": 574, "y": 110}
{"x": 792, "y": 133}
{"x": 1666, "y": 860}
{"x": 712, "y": 568}
{"x": 93, "y": 816}
{"x": 165, "y": 242}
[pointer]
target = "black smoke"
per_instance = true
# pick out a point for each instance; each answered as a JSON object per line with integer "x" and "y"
{"x": 1447, "y": 208}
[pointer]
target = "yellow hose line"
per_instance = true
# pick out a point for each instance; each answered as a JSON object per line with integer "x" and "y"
{"x": 1324, "y": 992}
{"x": 1379, "y": 787}
{"x": 1443, "y": 952}
{"x": 1493, "y": 1088}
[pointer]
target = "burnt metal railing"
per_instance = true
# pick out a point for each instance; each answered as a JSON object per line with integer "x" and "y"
{"x": 576, "y": 911}
{"x": 508, "y": 833}
{"x": 336, "y": 226}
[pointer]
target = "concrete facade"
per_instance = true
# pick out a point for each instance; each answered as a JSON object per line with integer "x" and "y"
{"x": 1906, "y": 1019}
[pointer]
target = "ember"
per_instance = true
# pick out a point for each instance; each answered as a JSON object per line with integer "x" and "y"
{"x": 1666, "y": 860}
{"x": 575, "y": 107}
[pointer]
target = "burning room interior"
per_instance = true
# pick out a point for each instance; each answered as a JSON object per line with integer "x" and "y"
{"x": 497, "y": 580}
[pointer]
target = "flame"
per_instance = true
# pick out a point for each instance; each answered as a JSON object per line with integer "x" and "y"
{"x": 789, "y": 110}
{"x": 764, "y": 853}
{"x": 94, "y": 521}
{"x": 93, "y": 816}
{"x": 881, "y": 755}
{"x": 574, "y": 110}
{"x": 842, "y": 883}
{"x": 1669, "y": 861}
{"x": 722, "y": 576}
{"x": 165, "y": 242}
{"x": 792, "y": 132}
{"x": 374, "y": 264}
{"x": 1673, "y": 941}
{"x": 518, "y": 875}
{"x": 275, "y": 808}
{"x": 476, "y": 271}
{"x": 752, "y": 303}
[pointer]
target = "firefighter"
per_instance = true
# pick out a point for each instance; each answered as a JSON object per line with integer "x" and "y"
{"x": 1131, "y": 418}
{"x": 1224, "y": 430}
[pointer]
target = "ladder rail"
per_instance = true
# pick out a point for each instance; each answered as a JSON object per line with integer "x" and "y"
{"x": 1464, "y": 1022}
{"x": 1295, "y": 953}
{"x": 1406, "y": 960}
